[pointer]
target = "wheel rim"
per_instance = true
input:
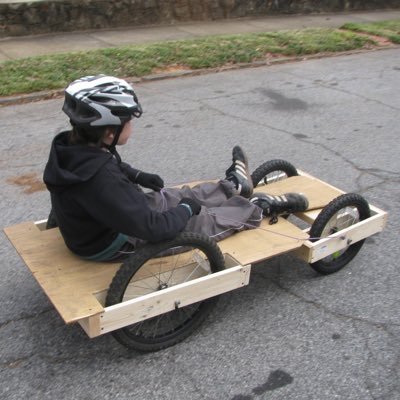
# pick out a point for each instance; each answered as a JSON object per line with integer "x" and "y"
{"x": 167, "y": 269}
{"x": 342, "y": 219}
{"x": 272, "y": 177}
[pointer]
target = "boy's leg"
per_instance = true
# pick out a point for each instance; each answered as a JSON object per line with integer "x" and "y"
{"x": 237, "y": 182}
{"x": 224, "y": 208}
{"x": 221, "y": 214}
{"x": 233, "y": 215}
{"x": 208, "y": 194}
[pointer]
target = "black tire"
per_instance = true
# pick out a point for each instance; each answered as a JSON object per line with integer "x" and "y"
{"x": 272, "y": 171}
{"x": 170, "y": 328}
{"x": 326, "y": 224}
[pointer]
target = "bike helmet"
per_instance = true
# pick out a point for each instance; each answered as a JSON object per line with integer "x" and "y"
{"x": 95, "y": 101}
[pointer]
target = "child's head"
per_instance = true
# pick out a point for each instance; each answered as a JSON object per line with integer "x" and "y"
{"x": 99, "y": 107}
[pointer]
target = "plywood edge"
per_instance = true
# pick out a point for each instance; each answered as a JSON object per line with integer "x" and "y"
{"x": 69, "y": 316}
{"x": 84, "y": 305}
{"x": 41, "y": 225}
{"x": 13, "y": 230}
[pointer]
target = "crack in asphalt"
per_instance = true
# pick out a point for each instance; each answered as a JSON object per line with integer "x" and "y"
{"x": 335, "y": 88}
{"x": 25, "y": 317}
{"x": 378, "y": 173}
{"x": 368, "y": 384}
{"x": 393, "y": 369}
{"x": 376, "y": 324}
{"x": 56, "y": 359}
{"x": 193, "y": 381}
{"x": 278, "y": 284}
{"x": 300, "y": 137}
{"x": 371, "y": 362}
{"x": 15, "y": 363}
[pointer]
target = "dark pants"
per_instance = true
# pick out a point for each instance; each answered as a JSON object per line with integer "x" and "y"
{"x": 223, "y": 212}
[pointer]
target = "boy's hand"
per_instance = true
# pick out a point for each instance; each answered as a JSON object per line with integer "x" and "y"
{"x": 150, "y": 181}
{"x": 192, "y": 205}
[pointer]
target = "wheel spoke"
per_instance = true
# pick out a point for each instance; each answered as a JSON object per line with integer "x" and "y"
{"x": 152, "y": 289}
{"x": 173, "y": 270}
{"x": 157, "y": 320}
{"x": 151, "y": 273}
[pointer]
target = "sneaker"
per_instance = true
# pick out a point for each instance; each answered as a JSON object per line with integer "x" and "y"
{"x": 239, "y": 173}
{"x": 285, "y": 203}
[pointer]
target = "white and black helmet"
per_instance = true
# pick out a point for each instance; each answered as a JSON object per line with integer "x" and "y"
{"x": 94, "y": 101}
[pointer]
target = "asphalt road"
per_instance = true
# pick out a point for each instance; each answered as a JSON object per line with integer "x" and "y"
{"x": 290, "y": 334}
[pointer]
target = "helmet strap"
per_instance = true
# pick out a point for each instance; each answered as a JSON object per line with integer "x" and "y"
{"x": 112, "y": 147}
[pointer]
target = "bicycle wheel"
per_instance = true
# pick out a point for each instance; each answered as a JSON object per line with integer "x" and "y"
{"x": 273, "y": 171}
{"x": 340, "y": 213}
{"x": 159, "y": 266}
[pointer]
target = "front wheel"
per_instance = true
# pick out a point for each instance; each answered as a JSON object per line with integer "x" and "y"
{"x": 159, "y": 266}
{"x": 340, "y": 213}
{"x": 273, "y": 171}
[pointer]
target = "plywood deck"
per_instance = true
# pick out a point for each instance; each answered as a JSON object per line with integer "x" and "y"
{"x": 318, "y": 193}
{"x": 70, "y": 283}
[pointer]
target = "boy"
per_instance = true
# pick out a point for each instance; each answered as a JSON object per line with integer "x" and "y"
{"x": 99, "y": 208}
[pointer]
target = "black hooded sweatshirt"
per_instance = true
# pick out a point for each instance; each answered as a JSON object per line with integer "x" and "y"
{"x": 94, "y": 201}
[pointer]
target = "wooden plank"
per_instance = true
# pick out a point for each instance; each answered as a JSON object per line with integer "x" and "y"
{"x": 91, "y": 325}
{"x": 309, "y": 216}
{"x": 314, "y": 251}
{"x": 41, "y": 225}
{"x": 143, "y": 285}
{"x": 148, "y": 278}
{"x": 160, "y": 302}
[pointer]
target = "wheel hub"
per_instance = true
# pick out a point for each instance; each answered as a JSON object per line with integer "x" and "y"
{"x": 162, "y": 286}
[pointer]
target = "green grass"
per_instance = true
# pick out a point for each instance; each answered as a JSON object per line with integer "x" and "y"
{"x": 388, "y": 29}
{"x": 56, "y": 71}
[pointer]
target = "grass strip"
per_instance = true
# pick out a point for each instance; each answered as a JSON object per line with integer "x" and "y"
{"x": 388, "y": 29}
{"x": 56, "y": 71}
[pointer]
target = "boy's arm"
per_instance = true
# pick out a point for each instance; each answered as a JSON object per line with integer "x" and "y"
{"x": 150, "y": 181}
{"x": 130, "y": 172}
{"x": 113, "y": 201}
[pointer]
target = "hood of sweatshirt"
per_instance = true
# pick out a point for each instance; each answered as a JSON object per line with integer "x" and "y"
{"x": 72, "y": 164}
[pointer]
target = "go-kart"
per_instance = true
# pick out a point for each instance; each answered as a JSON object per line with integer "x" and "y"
{"x": 163, "y": 292}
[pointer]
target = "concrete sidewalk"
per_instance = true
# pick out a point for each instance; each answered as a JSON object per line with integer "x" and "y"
{"x": 27, "y": 46}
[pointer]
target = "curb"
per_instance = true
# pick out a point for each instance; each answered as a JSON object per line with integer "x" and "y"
{"x": 58, "y": 93}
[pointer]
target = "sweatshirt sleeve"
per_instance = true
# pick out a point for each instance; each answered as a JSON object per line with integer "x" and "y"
{"x": 111, "y": 199}
{"x": 131, "y": 173}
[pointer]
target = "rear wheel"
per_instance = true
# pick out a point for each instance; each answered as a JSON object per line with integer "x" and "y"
{"x": 273, "y": 171}
{"x": 157, "y": 267}
{"x": 340, "y": 213}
